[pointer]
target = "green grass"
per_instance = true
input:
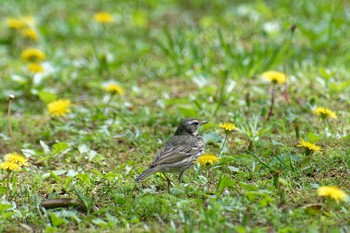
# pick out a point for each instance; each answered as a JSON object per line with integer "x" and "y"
{"x": 178, "y": 59}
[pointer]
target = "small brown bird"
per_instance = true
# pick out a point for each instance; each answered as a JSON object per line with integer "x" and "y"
{"x": 180, "y": 152}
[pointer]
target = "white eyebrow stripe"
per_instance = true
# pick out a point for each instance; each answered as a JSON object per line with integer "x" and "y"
{"x": 193, "y": 121}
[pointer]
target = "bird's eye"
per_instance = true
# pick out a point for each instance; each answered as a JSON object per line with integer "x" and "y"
{"x": 195, "y": 123}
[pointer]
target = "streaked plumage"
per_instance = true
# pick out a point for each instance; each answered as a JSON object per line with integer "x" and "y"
{"x": 180, "y": 152}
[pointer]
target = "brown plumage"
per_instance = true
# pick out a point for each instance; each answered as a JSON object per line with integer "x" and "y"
{"x": 180, "y": 152}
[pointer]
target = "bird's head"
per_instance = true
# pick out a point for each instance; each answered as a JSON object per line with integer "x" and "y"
{"x": 189, "y": 126}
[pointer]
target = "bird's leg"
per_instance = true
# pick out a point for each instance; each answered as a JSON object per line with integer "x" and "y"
{"x": 168, "y": 180}
{"x": 180, "y": 176}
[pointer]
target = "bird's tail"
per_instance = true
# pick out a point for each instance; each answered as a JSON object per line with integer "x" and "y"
{"x": 145, "y": 174}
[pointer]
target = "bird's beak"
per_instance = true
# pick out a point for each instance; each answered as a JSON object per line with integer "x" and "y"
{"x": 204, "y": 122}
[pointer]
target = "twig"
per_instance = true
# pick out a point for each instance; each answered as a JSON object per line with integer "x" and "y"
{"x": 66, "y": 202}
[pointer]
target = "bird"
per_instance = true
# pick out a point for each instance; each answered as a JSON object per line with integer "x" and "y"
{"x": 180, "y": 152}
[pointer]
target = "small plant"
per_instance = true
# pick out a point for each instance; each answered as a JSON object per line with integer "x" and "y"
{"x": 275, "y": 78}
{"x": 59, "y": 108}
{"x": 33, "y": 55}
{"x": 325, "y": 114}
{"x": 206, "y": 161}
{"x": 228, "y": 127}
{"x": 308, "y": 147}
{"x": 113, "y": 89}
{"x": 23, "y": 26}
{"x": 103, "y": 18}
{"x": 333, "y": 193}
{"x": 12, "y": 161}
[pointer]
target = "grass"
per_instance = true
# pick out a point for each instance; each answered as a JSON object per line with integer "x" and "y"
{"x": 174, "y": 60}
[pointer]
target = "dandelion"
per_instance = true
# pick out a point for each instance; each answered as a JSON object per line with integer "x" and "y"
{"x": 275, "y": 77}
{"x": 30, "y": 33}
{"x": 9, "y": 166}
{"x": 325, "y": 113}
{"x": 207, "y": 159}
{"x": 15, "y": 23}
{"x": 20, "y": 23}
{"x": 227, "y": 126}
{"x": 16, "y": 158}
{"x": 114, "y": 89}
{"x": 13, "y": 162}
{"x": 35, "y": 68}
{"x": 103, "y": 17}
{"x": 309, "y": 147}
{"x": 59, "y": 108}
{"x": 33, "y": 55}
{"x": 333, "y": 192}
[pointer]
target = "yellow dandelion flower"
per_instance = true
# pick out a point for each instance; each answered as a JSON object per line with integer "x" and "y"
{"x": 30, "y": 33}
{"x": 227, "y": 126}
{"x": 332, "y": 192}
{"x": 16, "y": 158}
{"x": 103, "y": 17}
{"x": 20, "y": 23}
{"x": 15, "y": 23}
{"x": 275, "y": 77}
{"x": 309, "y": 146}
{"x": 59, "y": 108}
{"x": 114, "y": 89}
{"x": 10, "y": 166}
{"x": 207, "y": 159}
{"x": 33, "y": 55}
{"x": 324, "y": 112}
{"x": 35, "y": 68}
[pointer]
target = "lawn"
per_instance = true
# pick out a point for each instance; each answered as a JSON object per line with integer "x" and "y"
{"x": 91, "y": 90}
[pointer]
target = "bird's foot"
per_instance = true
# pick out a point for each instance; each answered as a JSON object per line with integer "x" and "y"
{"x": 168, "y": 181}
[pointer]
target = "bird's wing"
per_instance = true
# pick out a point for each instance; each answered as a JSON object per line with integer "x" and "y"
{"x": 176, "y": 149}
